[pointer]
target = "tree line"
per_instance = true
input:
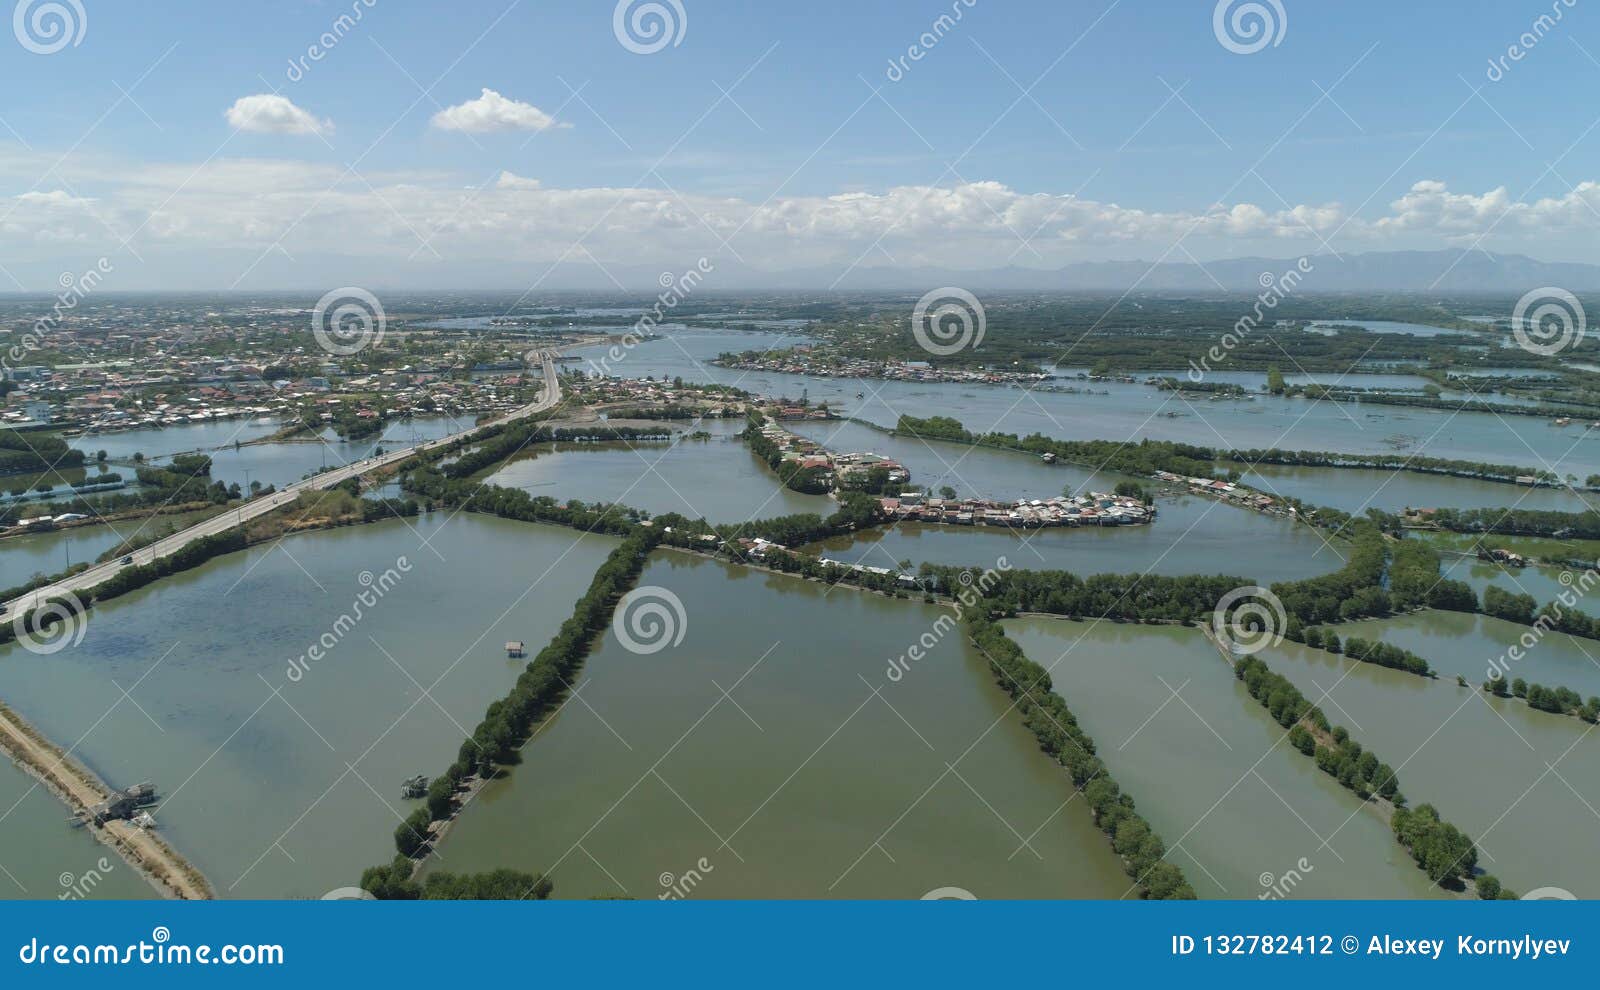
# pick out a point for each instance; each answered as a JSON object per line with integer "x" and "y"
{"x": 1441, "y": 850}
{"x": 1046, "y": 714}
{"x": 509, "y": 721}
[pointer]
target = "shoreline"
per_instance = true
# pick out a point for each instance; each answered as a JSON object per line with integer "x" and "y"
{"x": 78, "y": 787}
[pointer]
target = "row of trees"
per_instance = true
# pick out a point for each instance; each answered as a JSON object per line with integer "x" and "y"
{"x": 1440, "y": 849}
{"x": 392, "y": 882}
{"x": 508, "y": 722}
{"x": 1053, "y": 724}
{"x": 1555, "y": 700}
{"x": 36, "y": 452}
{"x": 1385, "y": 655}
{"x": 1120, "y": 597}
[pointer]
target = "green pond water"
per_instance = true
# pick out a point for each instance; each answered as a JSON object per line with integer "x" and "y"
{"x": 1475, "y": 646}
{"x": 1523, "y": 784}
{"x": 281, "y": 778}
{"x": 1244, "y": 814}
{"x": 43, "y": 858}
{"x": 800, "y": 782}
{"x": 717, "y": 479}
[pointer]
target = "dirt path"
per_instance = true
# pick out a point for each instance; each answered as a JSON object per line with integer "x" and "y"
{"x": 76, "y": 785}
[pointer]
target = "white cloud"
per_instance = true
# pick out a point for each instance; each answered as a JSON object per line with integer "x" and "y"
{"x": 265, "y": 113}
{"x": 493, "y": 112}
{"x": 246, "y": 205}
{"x": 510, "y": 180}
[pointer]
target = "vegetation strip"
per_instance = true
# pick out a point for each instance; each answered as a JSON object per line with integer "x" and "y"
{"x": 1441, "y": 850}
{"x": 506, "y": 725}
{"x": 1046, "y": 714}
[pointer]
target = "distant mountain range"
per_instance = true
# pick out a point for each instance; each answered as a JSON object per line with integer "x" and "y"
{"x": 1429, "y": 272}
{"x": 1388, "y": 271}
{"x": 1450, "y": 271}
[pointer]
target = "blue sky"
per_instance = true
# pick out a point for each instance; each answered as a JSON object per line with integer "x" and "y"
{"x": 774, "y": 134}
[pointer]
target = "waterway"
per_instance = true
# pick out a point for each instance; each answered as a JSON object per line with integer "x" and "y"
{"x": 24, "y": 557}
{"x": 1137, "y": 411}
{"x": 43, "y": 858}
{"x": 1243, "y": 813}
{"x": 799, "y": 782}
{"x": 1357, "y": 489}
{"x": 280, "y": 776}
{"x": 1473, "y": 646}
{"x": 718, "y": 479}
{"x": 1523, "y": 784}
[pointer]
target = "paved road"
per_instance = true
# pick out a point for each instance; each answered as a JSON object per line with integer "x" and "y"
{"x": 265, "y": 504}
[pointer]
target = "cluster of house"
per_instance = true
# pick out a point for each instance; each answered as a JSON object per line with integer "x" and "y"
{"x": 801, "y": 361}
{"x": 837, "y": 469}
{"x": 1093, "y": 509}
{"x": 644, "y": 392}
{"x": 1226, "y": 490}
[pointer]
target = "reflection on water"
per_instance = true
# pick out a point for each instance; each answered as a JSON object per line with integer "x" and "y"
{"x": 280, "y": 786}
{"x": 718, "y": 479}
{"x": 1244, "y": 814}
{"x": 819, "y": 787}
{"x": 1521, "y": 783}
